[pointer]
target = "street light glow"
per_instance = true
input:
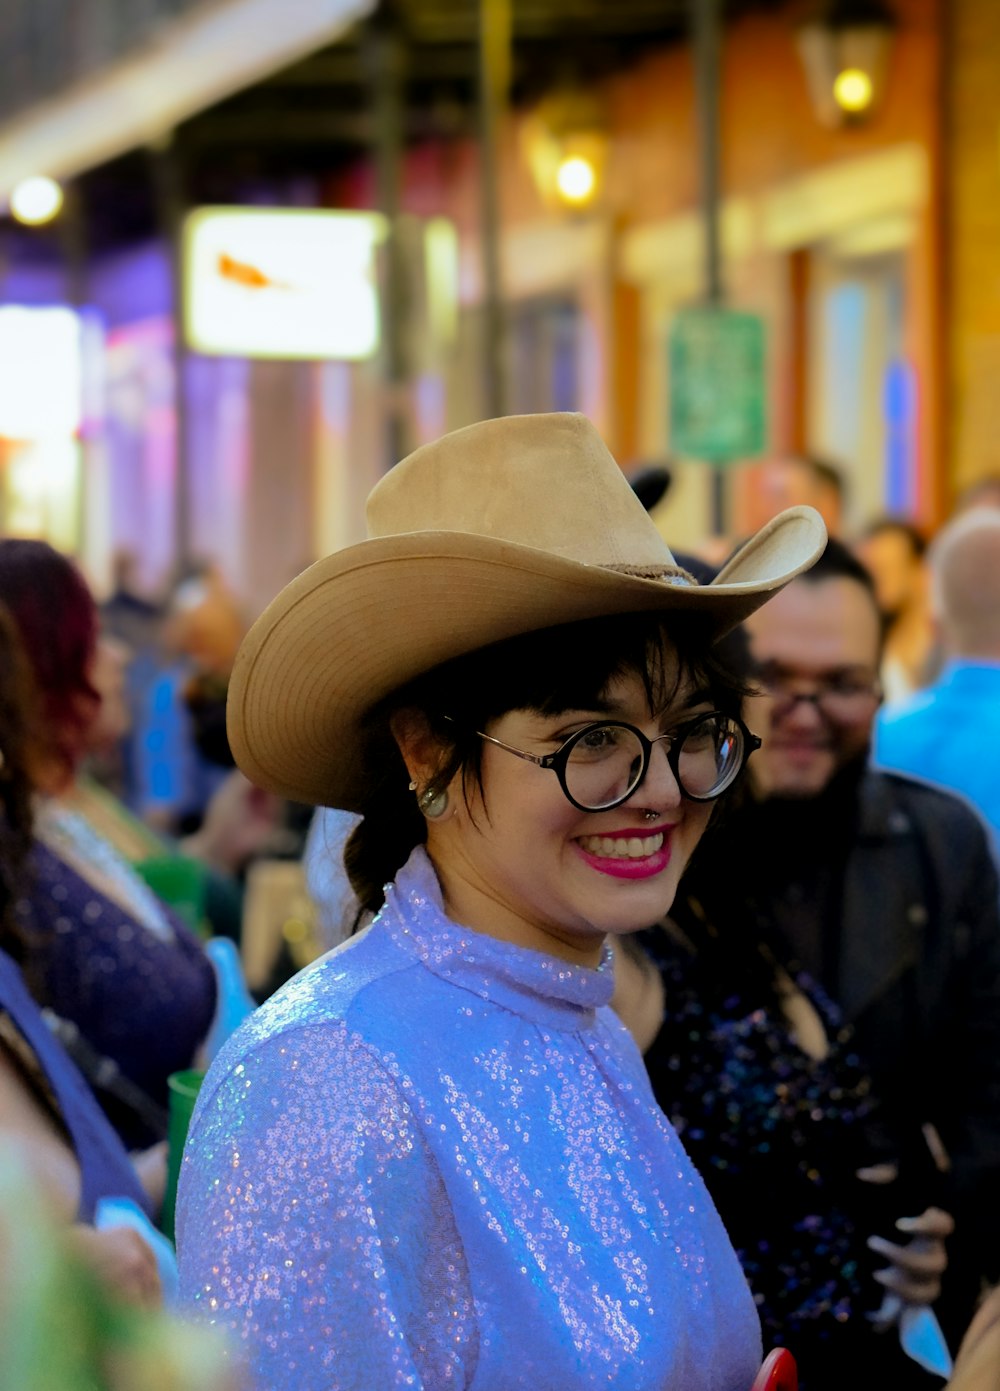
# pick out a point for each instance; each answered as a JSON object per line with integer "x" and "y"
{"x": 36, "y": 200}
{"x": 576, "y": 179}
{"x": 853, "y": 90}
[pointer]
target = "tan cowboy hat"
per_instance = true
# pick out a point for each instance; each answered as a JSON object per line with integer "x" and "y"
{"x": 499, "y": 529}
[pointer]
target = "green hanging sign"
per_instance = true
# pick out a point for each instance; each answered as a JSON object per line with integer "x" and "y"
{"x": 717, "y": 385}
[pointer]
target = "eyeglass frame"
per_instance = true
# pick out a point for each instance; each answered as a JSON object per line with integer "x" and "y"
{"x": 786, "y": 700}
{"x": 556, "y": 762}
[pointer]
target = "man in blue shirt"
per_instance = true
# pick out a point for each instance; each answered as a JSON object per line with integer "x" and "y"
{"x": 950, "y": 732}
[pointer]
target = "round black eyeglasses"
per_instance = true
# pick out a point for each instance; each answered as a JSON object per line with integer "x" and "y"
{"x": 602, "y": 765}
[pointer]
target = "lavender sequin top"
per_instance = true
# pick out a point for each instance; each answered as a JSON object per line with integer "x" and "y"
{"x": 433, "y": 1160}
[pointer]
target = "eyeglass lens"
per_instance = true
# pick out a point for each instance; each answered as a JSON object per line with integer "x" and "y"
{"x": 606, "y": 762}
{"x": 839, "y": 703}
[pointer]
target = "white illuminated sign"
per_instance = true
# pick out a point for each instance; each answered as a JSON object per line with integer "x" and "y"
{"x": 40, "y": 373}
{"x": 288, "y": 283}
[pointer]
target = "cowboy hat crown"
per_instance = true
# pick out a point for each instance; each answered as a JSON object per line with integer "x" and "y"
{"x": 545, "y": 481}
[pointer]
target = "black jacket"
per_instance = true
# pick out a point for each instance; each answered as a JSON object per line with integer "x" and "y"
{"x": 919, "y": 969}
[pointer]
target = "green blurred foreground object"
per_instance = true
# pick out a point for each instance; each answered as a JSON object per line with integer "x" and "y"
{"x": 184, "y": 1089}
{"x": 180, "y": 882}
{"x": 61, "y": 1331}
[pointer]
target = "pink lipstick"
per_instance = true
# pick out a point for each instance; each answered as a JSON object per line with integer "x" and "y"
{"x": 636, "y": 865}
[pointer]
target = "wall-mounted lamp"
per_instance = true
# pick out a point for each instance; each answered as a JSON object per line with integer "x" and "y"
{"x": 566, "y": 144}
{"x": 36, "y": 200}
{"x": 845, "y": 52}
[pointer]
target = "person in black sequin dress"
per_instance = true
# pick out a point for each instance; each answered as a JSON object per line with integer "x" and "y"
{"x": 779, "y": 1136}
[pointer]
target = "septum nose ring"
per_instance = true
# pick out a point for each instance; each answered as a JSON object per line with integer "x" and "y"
{"x": 651, "y": 816}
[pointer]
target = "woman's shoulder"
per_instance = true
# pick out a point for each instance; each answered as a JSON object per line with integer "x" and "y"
{"x": 304, "y": 1068}
{"x": 327, "y": 1008}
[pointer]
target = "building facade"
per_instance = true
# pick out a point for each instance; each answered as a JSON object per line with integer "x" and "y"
{"x": 865, "y": 249}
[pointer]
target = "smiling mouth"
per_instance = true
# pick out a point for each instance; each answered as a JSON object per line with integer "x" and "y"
{"x": 622, "y": 848}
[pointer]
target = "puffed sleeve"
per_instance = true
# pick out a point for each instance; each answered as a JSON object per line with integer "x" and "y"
{"x": 314, "y": 1227}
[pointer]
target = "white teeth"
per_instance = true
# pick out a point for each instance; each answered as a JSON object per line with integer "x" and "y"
{"x": 635, "y": 848}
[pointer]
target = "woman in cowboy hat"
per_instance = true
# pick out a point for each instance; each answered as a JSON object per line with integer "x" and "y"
{"x": 433, "y": 1160}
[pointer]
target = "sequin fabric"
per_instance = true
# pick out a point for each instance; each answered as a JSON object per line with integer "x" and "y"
{"x": 433, "y": 1160}
{"x": 142, "y": 1001}
{"x": 71, "y": 837}
{"x": 779, "y": 1137}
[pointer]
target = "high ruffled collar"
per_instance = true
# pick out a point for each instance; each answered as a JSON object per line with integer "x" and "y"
{"x": 548, "y": 991}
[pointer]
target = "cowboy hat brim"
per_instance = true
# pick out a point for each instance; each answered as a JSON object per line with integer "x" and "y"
{"x": 366, "y": 620}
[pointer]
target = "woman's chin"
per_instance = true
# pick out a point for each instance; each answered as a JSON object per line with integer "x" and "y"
{"x": 640, "y": 904}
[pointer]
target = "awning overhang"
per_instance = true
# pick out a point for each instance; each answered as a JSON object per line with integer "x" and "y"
{"x": 193, "y": 63}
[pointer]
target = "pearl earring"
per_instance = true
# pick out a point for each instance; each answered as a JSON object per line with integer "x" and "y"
{"x": 433, "y": 804}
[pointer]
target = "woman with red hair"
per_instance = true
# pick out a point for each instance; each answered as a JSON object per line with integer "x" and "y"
{"x": 130, "y": 988}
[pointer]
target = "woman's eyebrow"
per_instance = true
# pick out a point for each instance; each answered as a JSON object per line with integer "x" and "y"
{"x": 678, "y": 706}
{"x": 607, "y": 706}
{"x": 686, "y": 701}
{"x": 598, "y": 706}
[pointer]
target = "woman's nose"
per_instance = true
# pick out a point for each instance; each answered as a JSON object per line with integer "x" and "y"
{"x": 660, "y": 787}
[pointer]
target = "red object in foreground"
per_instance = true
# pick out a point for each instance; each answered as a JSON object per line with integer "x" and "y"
{"x": 778, "y": 1372}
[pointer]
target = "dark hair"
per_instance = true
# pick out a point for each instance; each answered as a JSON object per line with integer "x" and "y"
{"x": 825, "y": 473}
{"x": 15, "y": 784}
{"x": 56, "y": 618}
{"x": 898, "y": 526}
{"x": 839, "y": 563}
{"x": 557, "y": 669}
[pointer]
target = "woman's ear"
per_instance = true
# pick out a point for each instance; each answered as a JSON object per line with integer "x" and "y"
{"x": 415, "y": 740}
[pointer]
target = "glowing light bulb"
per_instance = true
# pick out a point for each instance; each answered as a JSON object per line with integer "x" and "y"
{"x": 852, "y": 90}
{"x": 576, "y": 179}
{"x": 36, "y": 200}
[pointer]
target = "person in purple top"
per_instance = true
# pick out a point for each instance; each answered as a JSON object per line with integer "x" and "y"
{"x": 131, "y": 988}
{"x": 47, "y": 1111}
{"x": 433, "y": 1160}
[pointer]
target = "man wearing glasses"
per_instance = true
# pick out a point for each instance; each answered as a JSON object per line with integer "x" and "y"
{"x": 830, "y": 881}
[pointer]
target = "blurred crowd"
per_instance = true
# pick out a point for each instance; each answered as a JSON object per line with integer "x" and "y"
{"x": 819, "y": 1015}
